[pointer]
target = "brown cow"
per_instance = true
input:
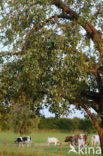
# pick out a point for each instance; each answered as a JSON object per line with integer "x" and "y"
{"x": 79, "y": 139}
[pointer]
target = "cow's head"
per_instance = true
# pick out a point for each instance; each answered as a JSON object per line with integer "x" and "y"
{"x": 18, "y": 140}
{"x": 68, "y": 138}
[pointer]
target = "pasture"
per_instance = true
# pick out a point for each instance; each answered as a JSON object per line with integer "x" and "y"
{"x": 39, "y": 146}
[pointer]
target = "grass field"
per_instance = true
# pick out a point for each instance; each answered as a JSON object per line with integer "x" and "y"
{"x": 39, "y": 146}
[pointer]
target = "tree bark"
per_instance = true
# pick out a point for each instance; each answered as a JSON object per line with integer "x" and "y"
{"x": 90, "y": 29}
{"x": 96, "y": 124}
{"x": 100, "y": 132}
{"x": 21, "y": 131}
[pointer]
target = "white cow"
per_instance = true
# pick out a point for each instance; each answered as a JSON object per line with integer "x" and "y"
{"x": 95, "y": 140}
{"x": 52, "y": 141}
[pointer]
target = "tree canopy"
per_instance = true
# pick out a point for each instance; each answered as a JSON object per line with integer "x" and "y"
{"x": 55, "y": 54}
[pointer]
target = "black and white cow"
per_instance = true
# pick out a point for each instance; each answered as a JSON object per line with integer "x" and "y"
{"x": 23, "y": 140}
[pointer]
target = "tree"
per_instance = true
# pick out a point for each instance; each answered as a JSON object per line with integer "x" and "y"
{"x": 58, "y": 49}
{"x": 22, "y": 119}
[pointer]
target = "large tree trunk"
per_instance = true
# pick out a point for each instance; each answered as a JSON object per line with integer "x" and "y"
{"x": 100, "y": 132}
{"x": 96, "y": 124}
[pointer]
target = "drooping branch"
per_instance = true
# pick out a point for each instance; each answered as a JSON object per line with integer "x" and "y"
{"x": 89, "y": 114}
{"x": 66, "y": 9}
{"x": 93, "y": 33}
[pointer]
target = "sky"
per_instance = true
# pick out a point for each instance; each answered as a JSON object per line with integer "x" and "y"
{"x": 74, "y": 113}
{"x": 77, "y": 113}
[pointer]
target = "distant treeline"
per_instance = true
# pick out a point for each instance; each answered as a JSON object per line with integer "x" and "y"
{"x": 67, "y": 124}
{"x": 51, "y": 123}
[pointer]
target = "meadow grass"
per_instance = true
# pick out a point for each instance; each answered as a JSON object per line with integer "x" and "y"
{"x": 39, "y": 144}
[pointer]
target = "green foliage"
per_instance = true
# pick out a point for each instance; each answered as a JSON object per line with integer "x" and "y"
{"x": 55, "y": 59}
{"x": 23, "y": 118}
{"x": 48, "y": 123}
{"x": 86, "y": 125}
{"x": 70, "y": 125}
{"x": 28, "y": 124}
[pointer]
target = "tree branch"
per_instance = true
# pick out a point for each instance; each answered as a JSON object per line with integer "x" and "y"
{"x": 98, "y": 77}
{"x": 37, "y": 27}
{"x": 89, "y": 114}
{"x": 93, "y": 34}
{"x": 95, "y": 70}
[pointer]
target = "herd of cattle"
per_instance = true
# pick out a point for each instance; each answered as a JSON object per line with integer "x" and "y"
{"x": 79, "y": 139}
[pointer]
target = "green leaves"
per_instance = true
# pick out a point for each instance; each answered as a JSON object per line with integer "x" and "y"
{"x": 1, "y": 4}
{"x": 55, "y": 55}
{"x": 9, "y": 35}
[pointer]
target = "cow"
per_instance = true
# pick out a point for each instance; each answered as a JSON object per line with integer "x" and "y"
{"x": 23, "y": 140}
{"x": 95, "y": 140}
{"x": 52, "y": 140}
{"x": 79, "y": 139}
{"x": 82, "y": 140}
